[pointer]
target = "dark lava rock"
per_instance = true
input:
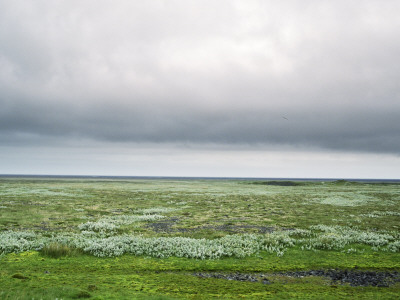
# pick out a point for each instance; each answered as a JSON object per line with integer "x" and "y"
{"x": 168, "y": 226}
{"x": 163, "y": 226}
{"x": 279, "y": 183}
{"x": 354, "y": 278}
{"x": 235, "y": 228}
{"x": 235, "y": 276}
{"x": 367, "y": 278}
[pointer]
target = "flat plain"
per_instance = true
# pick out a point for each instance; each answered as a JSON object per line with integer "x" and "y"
{"x": 69, "y": 238}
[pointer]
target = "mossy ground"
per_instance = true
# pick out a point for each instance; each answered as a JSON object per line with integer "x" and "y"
{"x": 204, "y": 209}
{"x": 130, "y": 277}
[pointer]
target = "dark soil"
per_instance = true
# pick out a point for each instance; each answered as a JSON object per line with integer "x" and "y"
{"x": 163, "y": 226}
{"x": 353, "y": 278}
{"x": 278, "y": 183}
{"x": 236, "y": 276}
{"x": 168, "y": 225}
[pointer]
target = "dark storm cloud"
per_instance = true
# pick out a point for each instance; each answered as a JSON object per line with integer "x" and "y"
{"x": 315, "y": 74}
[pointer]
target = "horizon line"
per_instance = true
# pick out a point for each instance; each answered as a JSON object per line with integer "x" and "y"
{"x": 199, "y": 177}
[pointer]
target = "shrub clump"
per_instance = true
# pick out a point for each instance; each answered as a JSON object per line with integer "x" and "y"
{"x": 19, "y": 276}
{"x": 113, "y": 223}
{"x": 233, "y": 245}
{"x": 319, "y": 237}
{"x": 57, "y": 250}
{"x": 19, "y": 241}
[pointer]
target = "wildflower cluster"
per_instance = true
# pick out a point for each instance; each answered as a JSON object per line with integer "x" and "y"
{"x": 278, "y": 242}
{"x": 112, "y": 223}
{"x": 377, "y": 214}
{"x": 315, "y": 238}
{"x": 338, "y": 237}
{"x": 347, "y": 199}
{"x": 235, "y": 245}
{"x": 16, "y": 241}
{"x": 343, "y": 201}
{"x": 156, "y": 210}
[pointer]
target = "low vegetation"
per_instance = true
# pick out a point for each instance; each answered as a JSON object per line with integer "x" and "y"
{"x": 57, "y": 250}
{"x": 166, "y": 230}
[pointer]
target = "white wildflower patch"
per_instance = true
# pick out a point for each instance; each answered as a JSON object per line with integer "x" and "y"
{"x": 37, "y": 191}
{"x": 344, "y": 201}
{"x": 102, "y": 225}
{"x": 278, "y": 242}
{"x": 103, "y": 244}
{"x": 394, "y": 246}
{"x": 129, "y": 219}
{"x": 112, "y": 223}
{"x": 16, "y": 241}
{"x": 341, "y": 198}
{"x": 338, "y": 237}
{"x": 377, "y": 214}
{"x": 155, "y": 210}
{"x": 235, "y": 245}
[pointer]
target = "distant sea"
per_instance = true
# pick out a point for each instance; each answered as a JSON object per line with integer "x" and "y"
{"x": 366, "y": 180}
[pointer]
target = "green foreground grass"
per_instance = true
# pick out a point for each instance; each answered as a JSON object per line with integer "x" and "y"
{"x": 129, "y": 277}
{"x": 195, "y": 209}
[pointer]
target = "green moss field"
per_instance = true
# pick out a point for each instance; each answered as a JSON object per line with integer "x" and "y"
{"x": 96, "y": 238}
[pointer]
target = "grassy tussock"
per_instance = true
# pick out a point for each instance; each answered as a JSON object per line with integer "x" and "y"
{"x": 56, "y": 250}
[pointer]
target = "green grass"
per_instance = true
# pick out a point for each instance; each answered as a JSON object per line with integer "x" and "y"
{"x": 128, "y": 277}
{"x": 60, "y": 205}
{"x": 56, "y": 250}
{"x": 196, "y": 209}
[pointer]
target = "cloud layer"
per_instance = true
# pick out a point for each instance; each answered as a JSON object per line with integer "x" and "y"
{"x": 310, "y": 74}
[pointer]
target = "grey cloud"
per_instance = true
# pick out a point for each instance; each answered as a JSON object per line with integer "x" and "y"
{"x": 202, "y": 72}
{"x": 357, "y": 129}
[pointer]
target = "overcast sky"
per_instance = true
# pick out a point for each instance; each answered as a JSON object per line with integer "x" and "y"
{"x": 200, "y": 88}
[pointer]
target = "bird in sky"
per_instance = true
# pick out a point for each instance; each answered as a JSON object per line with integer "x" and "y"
{"x": 285, "y": 118}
